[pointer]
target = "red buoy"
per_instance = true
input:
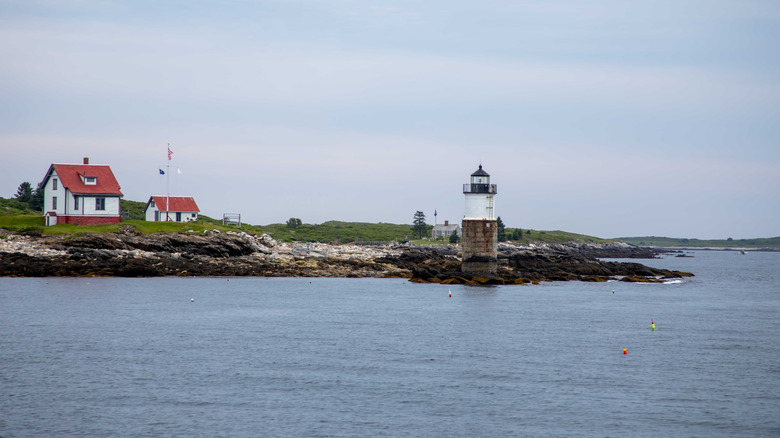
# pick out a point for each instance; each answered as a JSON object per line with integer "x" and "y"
{"x": 625, "y": 351}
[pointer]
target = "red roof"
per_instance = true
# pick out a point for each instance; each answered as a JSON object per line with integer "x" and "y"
{"x": 178, "y": 203}
{"x": 70, "y": 176}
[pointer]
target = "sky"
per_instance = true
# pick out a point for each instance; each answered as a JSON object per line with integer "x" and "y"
{"x": 607, "y": 118}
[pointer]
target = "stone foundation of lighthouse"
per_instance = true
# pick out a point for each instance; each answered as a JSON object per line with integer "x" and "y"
{"x": 480, "y": 247}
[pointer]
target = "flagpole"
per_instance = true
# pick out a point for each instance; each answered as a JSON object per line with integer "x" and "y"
{"x": 168, "y": 186}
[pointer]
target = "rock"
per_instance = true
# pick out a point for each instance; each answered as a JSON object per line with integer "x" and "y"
{"x": 131, "y": 254}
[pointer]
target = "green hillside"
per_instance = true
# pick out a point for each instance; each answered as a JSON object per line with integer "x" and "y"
{"x": 16, "y": 216}
{"x": 556, "y": 236}
{"x": 135, "y": 209}
{"x": 337, "y": 231}
{"x": 670, "y": 242}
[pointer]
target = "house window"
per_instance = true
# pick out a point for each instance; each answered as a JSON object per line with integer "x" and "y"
{"x": 54, "y": 203}
{"x": 193, "y": 214}
{"x": 90, "y": 180}
{"x": 54, "y": 184}
{"x": 100, "y": 204}
{"x": 76, "y": 202}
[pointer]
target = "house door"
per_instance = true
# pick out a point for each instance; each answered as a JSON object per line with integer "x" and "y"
{"x": 178, "y": 216}
{"x": 156, "y": 216}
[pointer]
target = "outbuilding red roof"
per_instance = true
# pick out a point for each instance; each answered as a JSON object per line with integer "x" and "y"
{"x": 178, "y": 203}
{"x": 71, "y": 177}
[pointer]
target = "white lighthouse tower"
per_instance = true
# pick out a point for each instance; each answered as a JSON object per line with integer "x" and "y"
{"x": 480, "y": 228}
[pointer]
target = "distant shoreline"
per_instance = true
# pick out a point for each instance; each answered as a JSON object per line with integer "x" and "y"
{"x": 710, "y": 248}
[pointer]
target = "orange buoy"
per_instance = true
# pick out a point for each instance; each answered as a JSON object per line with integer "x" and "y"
{"x": 450, "y": 293}
{"x": 625, "y": 351}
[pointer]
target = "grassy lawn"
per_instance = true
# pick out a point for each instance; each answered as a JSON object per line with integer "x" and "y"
{"x": 33, "y": 223}
{"x": 331, "y": 231}
{"x": 21, "y": 222}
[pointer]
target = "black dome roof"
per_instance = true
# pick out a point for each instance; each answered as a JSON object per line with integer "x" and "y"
{"x": 480, "y": 172}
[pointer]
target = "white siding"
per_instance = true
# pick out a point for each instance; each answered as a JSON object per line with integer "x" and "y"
{"x": 186, "y": 216}
{"x": 49, "y": 193}
{"x": 150, "y": 213}
{"x": 89, "y": 204}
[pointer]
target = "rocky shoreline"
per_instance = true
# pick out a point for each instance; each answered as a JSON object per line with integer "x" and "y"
{"x": 213, "y": 253}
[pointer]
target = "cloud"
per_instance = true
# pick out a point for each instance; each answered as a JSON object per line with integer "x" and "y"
{"x": 591, "y": 116}
{"x": 113, "y": 61}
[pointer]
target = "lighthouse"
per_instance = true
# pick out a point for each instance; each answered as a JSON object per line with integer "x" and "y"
{"x": 480, "y": 228}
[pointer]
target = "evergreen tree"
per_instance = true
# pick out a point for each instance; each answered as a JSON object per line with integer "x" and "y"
{"x": 24, "y": 192}
{"x": 36, "y": 201}
{"x": 419, "y": 226}
{"x": 501, "y": 229}
{"x": 454, "y": 238}
{"x": 293, "y": 223}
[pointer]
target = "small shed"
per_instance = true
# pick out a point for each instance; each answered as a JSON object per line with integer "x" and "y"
{"x": 182, "y": 209}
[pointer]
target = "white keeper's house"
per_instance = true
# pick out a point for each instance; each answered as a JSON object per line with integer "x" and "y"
{"x": 81, "y": 194}
{"x": 182, "y": 209}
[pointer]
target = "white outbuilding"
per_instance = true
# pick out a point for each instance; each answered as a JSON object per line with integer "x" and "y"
{"x": 182, "y": 209}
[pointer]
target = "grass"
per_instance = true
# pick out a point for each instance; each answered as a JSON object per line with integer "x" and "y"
{"x": 135, "y": 209}
{"x": 22, "y": 222}
{"x": 331, "y": 231}
{"x": 14, "y": 218}
{"x": 556, "y": 236}
{"x": 343, "y": 232}
{"x": 141, "y": 226}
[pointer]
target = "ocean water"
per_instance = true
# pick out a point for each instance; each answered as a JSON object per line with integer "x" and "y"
{"x": 317, "y": 357}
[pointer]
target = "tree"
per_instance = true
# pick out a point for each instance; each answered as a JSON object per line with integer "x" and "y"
{"x": 419, "y": 227}
{"x": 501, "y": 229}
{"x": 517, "y": 234}
{"x": 36, "y": 201}
{"x": 293, "y": 223}
{"x": 454, "y": 238}
{"x": 24, "y": 192}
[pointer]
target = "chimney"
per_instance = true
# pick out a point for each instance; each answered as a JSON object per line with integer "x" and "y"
{"x": 86, "y": 160}
{"x": 446, "y": 223}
